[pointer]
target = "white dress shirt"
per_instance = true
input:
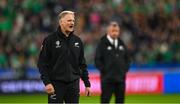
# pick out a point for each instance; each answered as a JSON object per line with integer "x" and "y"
{"x": 111, "y": 41}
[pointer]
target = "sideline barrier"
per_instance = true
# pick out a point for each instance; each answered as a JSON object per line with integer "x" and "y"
{"x": 136, "y": 83}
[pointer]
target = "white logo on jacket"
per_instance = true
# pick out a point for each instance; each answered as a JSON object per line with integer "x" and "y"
{"x": 58, "y": 44}
{"x": 109, "y": 48}
{"x": 121, "y": 47}
{"x": 53, "y": 96}
{"x": 76, "y": 44}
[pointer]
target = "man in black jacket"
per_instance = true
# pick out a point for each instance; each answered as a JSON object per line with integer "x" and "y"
{"x": 61, "y": 62}
{"x": 113, "y": 62}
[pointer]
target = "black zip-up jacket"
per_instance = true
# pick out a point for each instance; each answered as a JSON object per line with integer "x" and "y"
{"x": 112, "y": 62}
{"x": 62, "y": 59}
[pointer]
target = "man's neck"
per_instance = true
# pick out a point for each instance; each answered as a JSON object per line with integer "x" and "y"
{"x": 66, "y": 33}
{"x": 109, "y": 36}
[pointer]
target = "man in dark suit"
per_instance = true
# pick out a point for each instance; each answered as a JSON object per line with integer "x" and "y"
{"x": 61, "y": 62}
{"x": 113, "y": 61}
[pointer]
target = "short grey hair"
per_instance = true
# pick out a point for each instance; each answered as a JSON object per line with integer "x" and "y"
{"x": 63, "y": 13}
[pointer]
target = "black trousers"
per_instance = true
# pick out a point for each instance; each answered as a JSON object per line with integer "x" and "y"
{"x": 109, "y": 88}
{"x": 65, "y": 92}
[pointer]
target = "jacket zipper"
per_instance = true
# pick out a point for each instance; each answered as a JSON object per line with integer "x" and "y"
{"x": 67, "y": 65}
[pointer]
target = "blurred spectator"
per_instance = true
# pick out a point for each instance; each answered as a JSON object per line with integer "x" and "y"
{"x": 151, "y": 28}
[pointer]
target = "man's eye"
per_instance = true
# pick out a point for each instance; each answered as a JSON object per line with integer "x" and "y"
{"x": 70, "y": 20}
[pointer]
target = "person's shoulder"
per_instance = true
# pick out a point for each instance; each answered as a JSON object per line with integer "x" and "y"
{"x": 121, "y": 42}
{"x": 50, "y": 36}
{"x": 103, "y": 38}
{"x": 76, "y": 37}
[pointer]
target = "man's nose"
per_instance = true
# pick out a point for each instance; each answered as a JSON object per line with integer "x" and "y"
{"x": 72, "y": 22}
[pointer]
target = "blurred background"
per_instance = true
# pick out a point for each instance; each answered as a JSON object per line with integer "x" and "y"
{"x": 149, "y": 28}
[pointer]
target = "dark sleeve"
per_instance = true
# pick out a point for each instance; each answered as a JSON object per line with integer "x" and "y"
{"x": 83, "y": 68}
{"x": 99, "y": 57}
{"x": 127, "y": 59}
{"x": 43, "y": 61}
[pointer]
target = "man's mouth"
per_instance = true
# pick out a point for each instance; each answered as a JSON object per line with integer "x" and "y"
{"x": 71, "y": 27}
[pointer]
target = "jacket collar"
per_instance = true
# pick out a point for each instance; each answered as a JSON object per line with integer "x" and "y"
{"x": 106, "y": 40}
{"x": 61, "y": 34}
{"x": 111, "y": 39}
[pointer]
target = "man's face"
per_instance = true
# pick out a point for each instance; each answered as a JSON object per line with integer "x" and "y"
{"x": 114, "y": 30}
{"x": 67, "y": 22}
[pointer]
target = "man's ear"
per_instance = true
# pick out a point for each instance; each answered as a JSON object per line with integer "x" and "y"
{"x": 60, "y": 22}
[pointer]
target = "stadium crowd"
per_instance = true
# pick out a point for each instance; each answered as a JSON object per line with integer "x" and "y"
{"x": 150, "y": 28}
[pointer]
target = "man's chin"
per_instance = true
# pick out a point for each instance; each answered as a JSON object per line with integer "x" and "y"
{"x": 71, "y": 30}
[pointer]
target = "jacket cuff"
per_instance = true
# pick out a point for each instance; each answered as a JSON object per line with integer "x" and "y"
{"x": 46, "y": 81}
{"x": 87, "y": 83}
